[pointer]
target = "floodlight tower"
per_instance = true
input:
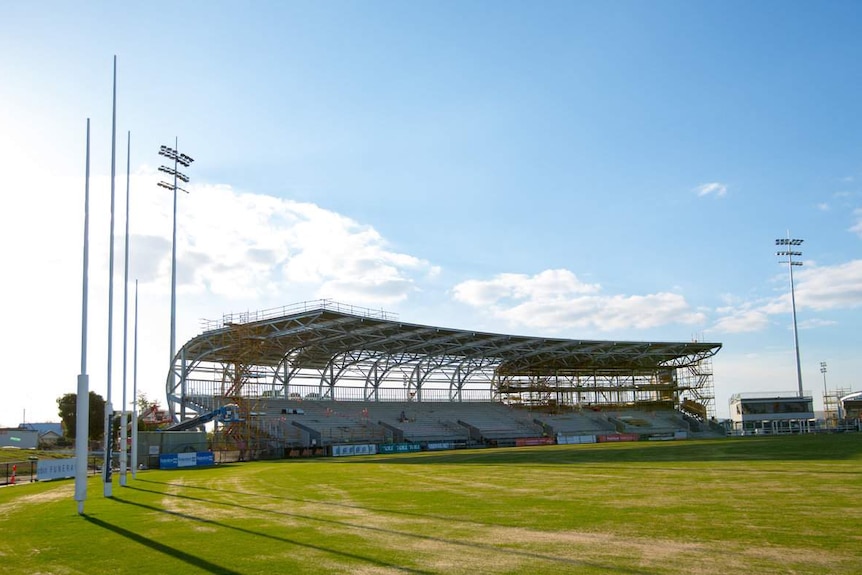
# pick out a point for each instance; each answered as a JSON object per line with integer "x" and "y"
{"x": 186, "y": 161}
{"x": 825, "y": 393}
{"x": 788, "y": 251}
{"x": 823, "y": 371}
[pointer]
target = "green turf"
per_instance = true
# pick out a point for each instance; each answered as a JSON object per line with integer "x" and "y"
{"x": 746, "y": 505}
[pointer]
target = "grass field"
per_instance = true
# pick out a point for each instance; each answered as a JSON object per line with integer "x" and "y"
{"x": 746, "y": 505}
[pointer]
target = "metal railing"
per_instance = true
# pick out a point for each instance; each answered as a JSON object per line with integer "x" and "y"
{"x": 300, "y": 307}
{"x": 14, "y": 472}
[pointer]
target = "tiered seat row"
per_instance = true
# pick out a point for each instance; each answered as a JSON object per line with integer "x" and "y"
{"x": 576, "y": 423}
{"x": 660, "y": 421}
{"x": 320, "y": 422}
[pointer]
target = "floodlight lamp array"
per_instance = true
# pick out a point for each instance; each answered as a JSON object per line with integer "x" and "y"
{"x": 173, "y": 172}
{"x": 176, "y": 156}
{"x": 788, "y": 252}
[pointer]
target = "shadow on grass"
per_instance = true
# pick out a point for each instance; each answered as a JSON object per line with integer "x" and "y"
{"x": 841, "y": 447}
{"x": 192, "y": 560}
{"x": 356, "y": 526}
{"x": 214, "y": 523}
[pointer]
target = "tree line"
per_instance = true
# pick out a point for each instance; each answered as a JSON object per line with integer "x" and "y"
{"x": 67, "y": 406}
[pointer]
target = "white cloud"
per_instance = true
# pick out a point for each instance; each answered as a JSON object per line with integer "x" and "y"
{"x": 236, "y": 252}
{"x": 830, "y": 287}
{"x": 815, "y": 323}
{"x": 246, "y": 246}
{"x": 818, "y": 288}
{"x": 857, "y": 227}
{"x": 543, "y": 286}
{"x": 556, "y": 299}
{"x": 741, "y": 320}
{"x": 712, "y": 188}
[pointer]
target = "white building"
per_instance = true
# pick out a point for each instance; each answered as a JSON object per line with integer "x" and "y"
{"x": 770, "y": 413}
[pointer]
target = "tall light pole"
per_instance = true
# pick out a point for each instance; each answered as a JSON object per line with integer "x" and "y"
{"x": 823, "y": 371}
{"x": 825, "y": 393}
{"x": 185, "y": 161}
{"x": 787, "y": 250}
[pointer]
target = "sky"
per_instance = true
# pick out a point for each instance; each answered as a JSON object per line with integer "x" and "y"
{"x": 575, "y": 169}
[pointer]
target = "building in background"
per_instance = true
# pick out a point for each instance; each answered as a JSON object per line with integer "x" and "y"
{"x": 771, "y": 413}
{"x": 17, "y": 438}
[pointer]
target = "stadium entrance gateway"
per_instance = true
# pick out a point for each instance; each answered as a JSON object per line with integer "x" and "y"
{"x": 350, "y": 363}
{"x": 771, "y": 413}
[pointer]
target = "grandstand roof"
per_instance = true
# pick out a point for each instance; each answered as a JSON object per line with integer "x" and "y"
{"x": 312, "y": 334}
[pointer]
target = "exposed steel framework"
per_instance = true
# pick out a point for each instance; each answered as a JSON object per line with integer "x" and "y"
{"x": 330, "y": 351}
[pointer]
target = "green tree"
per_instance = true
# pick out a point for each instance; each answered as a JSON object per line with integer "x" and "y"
{"x": 144, "y": 407}
{"x": 68, "y": 411}
{"x": 144, "y": 402}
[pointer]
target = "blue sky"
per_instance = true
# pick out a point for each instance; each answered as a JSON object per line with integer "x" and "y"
{"x": 589, "y": 170}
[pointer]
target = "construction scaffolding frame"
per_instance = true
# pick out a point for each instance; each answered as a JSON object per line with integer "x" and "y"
{"x": 832, "y": 406}
{"x": 328, "y": 351}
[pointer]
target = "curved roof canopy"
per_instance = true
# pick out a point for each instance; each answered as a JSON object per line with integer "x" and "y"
{"x": 314, "y": 335}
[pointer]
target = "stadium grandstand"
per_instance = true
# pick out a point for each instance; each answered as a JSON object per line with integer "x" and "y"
{"x": 322, "y": 374}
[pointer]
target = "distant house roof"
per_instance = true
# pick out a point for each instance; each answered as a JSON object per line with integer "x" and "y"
{"x": 44, "y": 428}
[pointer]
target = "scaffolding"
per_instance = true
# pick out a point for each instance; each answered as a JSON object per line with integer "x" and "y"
{"x": 689, "y": 388}
{"x": 696, "y": 386}
{"x": 330, "y": 351}
{"x": 589, "y": 388}
{"x": 238, "y": 375}
{"x": 832, "y": 406}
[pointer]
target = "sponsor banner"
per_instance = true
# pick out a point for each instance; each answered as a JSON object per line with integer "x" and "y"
{"x": 187, "y": 459}
{"x": 440, "y": 445}
{"x": 168, "y": 461}
{"x": 618, "y": 437}
{"x": 527, "y": 441}
{"x": 399, "y": 447}
{"x": 349, "y": 450}
{"x": 206, "y": 458}
{"x": 661, "y": 437}
{"x": 47, "y": 469}
{"x": 682, "y": 434}
{"x": 573, "y": 439}
{"x": 177, "y": 460}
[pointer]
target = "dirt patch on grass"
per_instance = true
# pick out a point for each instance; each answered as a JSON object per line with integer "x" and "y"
{"x": 667, "y": 555}
{"x": 66, "y": 491}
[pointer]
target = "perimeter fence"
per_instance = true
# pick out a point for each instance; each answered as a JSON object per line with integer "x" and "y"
{"x": 13, "y": 472}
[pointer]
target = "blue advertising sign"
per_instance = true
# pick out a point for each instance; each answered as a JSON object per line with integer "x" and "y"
{"x": 177, "y": 460}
